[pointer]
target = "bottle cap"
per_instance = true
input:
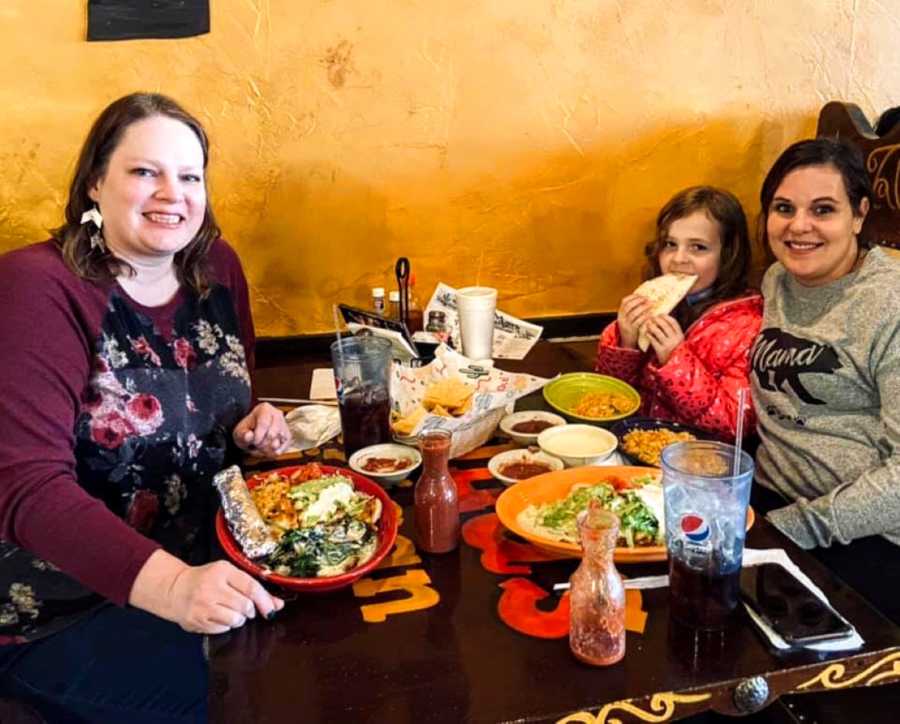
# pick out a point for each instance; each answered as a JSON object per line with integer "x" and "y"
{"x": 394, "y": 296}
{"x": 377, "y": 291}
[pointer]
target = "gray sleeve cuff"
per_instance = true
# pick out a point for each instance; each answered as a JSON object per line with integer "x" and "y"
{"x": 791, "y": 521}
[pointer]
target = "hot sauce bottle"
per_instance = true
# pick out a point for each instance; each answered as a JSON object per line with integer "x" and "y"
{"x": 436, "y": 505}
{"x": 596, "y": 593}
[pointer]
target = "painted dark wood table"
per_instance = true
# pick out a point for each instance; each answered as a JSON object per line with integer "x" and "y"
{"x": 359, "y": 655}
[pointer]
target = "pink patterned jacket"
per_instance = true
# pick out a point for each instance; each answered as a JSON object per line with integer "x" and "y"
{"x": 699, "y": 383}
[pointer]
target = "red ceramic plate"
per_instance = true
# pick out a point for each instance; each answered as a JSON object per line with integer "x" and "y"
{"x": 387, "y": 535}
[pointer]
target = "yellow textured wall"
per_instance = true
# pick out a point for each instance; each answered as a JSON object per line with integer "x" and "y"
{"x": 517, "y": 143}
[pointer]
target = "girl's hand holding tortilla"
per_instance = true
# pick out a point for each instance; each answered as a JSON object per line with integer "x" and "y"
{"x": 665, "y": 335}
{"x": 634, "y": 311}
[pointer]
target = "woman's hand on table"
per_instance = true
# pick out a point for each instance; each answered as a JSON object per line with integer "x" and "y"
{"x": 634, "y": 311}
{"x": 665, "y": 335}
{"x": 263, "y": 432}
{"x": 208, "y": 599}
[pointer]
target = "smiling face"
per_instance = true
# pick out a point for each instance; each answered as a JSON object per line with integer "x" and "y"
{"x": 152, "y": 195}
{"x": 812, "y": 227}
{"x": 693, "y": 245}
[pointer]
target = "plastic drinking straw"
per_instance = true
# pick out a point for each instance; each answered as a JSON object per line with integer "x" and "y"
{"x": 739, "y": 435}
{"x": 337, "y": 328}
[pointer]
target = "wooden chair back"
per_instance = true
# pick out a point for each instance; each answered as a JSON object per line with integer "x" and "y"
{"x": 882, "y": 155}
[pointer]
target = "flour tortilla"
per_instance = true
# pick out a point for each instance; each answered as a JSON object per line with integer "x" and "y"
{"x": 664, "y": 292}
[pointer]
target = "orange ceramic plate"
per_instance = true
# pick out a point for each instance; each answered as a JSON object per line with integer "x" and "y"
{"x": 555, "y": 486}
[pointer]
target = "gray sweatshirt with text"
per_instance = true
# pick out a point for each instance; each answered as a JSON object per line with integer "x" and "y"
{"x": 826, "y": 385}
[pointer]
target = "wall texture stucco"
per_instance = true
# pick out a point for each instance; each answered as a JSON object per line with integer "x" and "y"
{"x": 524, "y": 145}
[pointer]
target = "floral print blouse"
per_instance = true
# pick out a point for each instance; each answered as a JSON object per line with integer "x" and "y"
{"x": 164, "y": 388}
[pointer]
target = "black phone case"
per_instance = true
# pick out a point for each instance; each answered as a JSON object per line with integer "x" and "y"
{"x": 793, "y": 611}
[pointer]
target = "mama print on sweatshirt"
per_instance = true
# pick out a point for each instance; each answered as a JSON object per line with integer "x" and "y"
{"x": 779, "y": 359}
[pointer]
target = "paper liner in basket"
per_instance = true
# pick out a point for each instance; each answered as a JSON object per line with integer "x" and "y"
{"x": 495, "y": 390}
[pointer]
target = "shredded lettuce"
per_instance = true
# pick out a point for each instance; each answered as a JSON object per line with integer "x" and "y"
{"x": 638, "y": 526}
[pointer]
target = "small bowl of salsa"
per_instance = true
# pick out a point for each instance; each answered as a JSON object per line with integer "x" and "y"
{"x": 387, "y": 463}
{"x": 512, "y": 466}
{"x": 524, "y": 427}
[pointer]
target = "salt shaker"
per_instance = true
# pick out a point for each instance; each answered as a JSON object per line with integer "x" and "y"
{"x": 378, "y": 300}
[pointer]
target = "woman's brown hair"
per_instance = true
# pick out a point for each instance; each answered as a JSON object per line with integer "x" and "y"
{"x": 735, "y": 259}
{"x": 73, "y": 237}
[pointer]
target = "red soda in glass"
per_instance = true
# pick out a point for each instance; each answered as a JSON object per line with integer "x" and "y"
{"x": 362, "y": 367}
{"x": 703, "y": 598}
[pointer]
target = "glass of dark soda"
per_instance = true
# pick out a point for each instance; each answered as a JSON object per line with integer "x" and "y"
{"x": 706, "y": 515}
{"x": 362, "y": 367}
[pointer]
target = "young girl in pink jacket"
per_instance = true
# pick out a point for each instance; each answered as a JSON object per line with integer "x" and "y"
{"x": 698, "y": 358}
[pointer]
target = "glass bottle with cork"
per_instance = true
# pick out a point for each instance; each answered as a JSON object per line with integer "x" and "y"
{"x": 596, "y": 592}
{"x": 435, "y": 499}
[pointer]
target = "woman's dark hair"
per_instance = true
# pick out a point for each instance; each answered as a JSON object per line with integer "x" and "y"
{"x": 734, "y": 263}
{"x": 887, "y": 121}
{"x": 98, "y": 264}
{"x": 841, "y": 155}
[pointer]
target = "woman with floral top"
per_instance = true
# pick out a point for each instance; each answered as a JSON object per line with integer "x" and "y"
{"x": 124, "y": 386}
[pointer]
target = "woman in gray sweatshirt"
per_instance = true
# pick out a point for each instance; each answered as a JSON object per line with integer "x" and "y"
{"x": 826, "y": 366}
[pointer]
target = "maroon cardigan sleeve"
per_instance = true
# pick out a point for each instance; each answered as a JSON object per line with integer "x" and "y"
{"x": 48, "y": 322}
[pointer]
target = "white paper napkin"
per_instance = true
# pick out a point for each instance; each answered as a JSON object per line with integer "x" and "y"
{"x": 322, "y": 385}
{"x": 312, "y": 425}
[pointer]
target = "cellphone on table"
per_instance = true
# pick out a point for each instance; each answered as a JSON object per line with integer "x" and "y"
{"x": 794, "y": 612}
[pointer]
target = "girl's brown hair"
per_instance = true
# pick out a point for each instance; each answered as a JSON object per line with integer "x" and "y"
{"x": 735, "y": 260}
{"x": 73, "y": 237}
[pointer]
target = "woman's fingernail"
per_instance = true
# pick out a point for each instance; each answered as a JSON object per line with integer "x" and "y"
{"x": 270, "y": 615}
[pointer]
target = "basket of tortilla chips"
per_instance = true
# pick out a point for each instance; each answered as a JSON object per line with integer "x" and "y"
{"x": 453, "y": 393}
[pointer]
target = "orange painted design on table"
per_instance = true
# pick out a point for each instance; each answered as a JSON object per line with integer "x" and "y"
{"x": 404, "y": 554}
{"x": 471, "y": 498}
{"x": 518, "y": 610}
{"x": 414, "y": 582}
{"x": 635, "y": 615}
{"x": 499, "y": 552}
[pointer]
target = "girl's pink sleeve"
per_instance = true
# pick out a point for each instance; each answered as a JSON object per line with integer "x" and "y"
{"x": 705, "y": 397}
{"x": 616, "y": 361}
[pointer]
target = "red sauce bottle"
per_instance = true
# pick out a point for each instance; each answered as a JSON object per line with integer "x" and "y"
{"x": 436, "y": 504}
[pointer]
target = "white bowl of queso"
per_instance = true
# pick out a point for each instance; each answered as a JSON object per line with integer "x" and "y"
{"x": 578, "y": 445}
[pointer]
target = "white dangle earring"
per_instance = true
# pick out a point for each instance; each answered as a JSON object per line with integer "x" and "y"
{"x": 94, "y": 217}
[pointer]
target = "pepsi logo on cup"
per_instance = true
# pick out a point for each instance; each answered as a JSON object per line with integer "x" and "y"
{"x": 695, "y": 528}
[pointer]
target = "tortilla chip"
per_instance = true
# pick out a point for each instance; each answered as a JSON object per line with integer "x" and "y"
{"x": 462, "y": 409}
{"x": 449, "y": 393}
{"x": 664, "y": 292}
{"x": 406, "y": 424}
{"x": 440, "y": 410}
